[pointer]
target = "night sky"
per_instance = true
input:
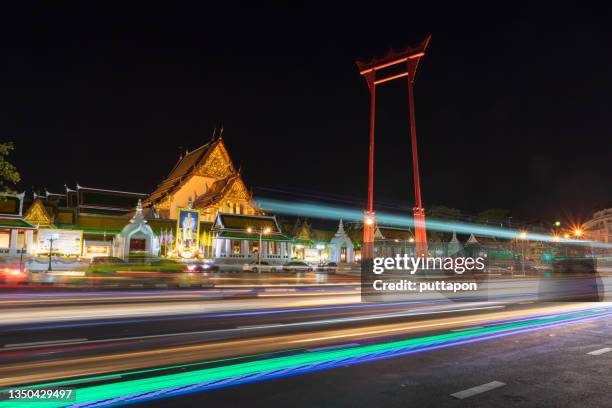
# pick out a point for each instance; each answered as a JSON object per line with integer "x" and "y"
{"x": 513, "y": 104}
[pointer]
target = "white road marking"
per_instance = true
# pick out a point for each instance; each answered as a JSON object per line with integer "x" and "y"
{"x": 478, "y": 390}
{"x": 600, "y": 351}
{"x": 41, "y": 343}
{"x": 334, "y": 347}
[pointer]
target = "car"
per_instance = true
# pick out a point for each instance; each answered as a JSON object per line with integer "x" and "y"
{"x": 297, "y": 266}
{"x": 203, "y": 266}
{"x": 329, "y": 267}
{"x": 261, "y": 266}
{"x": 13, "y": 273}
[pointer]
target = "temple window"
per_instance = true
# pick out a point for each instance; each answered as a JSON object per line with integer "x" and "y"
{"x": 21, "y": 242}
{"x": 253, "y": 247}
{"x": 5, "y": 238}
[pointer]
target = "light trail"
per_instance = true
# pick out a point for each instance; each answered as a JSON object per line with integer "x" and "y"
{"x": 264, "y": 312}
{"x": 419, "y": 312}
{"x": 220, "y": 292}
{"x": 62, "y": 313}
{"x": 174, "y": 384}
{"x": 334, "y": 213}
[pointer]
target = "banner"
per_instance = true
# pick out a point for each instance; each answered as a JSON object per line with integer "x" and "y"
{"x": 65, "y": 242}
{"x": 188, "y": 231}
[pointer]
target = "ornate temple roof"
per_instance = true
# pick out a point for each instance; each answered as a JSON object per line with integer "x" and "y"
{"x": 185, "y": 168}
{"x": 102, "y": 201}
{"x": 218, "y": 190}
{"x": 243, "y": 222}
{"x": 238, "y": 226}
{"x": 395, "y": 233}
{"x": 11, "y": 205}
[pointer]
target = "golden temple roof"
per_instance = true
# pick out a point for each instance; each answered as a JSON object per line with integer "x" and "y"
{"x": 184, "y": 169}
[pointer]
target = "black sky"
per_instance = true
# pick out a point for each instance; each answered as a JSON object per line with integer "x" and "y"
{"x": 513, "y": 102}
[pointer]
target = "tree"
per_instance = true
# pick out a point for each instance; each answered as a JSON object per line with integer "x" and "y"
{"x": 444, "y": 213}
{"x": 8, "y": 172}
{"x": 493, "y": 216}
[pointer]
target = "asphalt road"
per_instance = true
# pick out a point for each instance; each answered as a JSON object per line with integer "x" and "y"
{"x": 547, "y": 368}
{"x": 329, "y": 350}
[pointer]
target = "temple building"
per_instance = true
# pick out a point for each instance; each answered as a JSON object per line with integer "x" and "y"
{"x": 89, "y": 219}
{"x": 202, "y": 209}
{"x": 16, "y": 233}
{"x": 392, "y": 241}
{"x": 208, "y": 178}
{"x": 341, "y": 248}
{"x": 242, "y": 236}
{"x": 84, "y": 219}
{"x": 136, "y": 238}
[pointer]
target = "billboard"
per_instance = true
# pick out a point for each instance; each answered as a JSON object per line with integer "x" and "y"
{"x": 65, "y": 242}
{"x": 188, "y": 232}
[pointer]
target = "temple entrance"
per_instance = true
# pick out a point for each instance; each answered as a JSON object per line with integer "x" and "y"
{"x": 298, "y": 252}
{"x": 343, "y": 254}
{"x": 138, "y": 244}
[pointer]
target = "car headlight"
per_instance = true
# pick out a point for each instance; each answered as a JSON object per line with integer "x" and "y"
{"x": 205, "y": 266}
{"x": 191, "y": 267}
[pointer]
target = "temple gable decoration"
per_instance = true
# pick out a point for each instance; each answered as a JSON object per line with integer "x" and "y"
{"x": 217, "y": 165}
{"x": 37, "y": 214}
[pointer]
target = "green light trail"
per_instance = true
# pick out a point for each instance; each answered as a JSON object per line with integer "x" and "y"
{"x": 167, "y": 381}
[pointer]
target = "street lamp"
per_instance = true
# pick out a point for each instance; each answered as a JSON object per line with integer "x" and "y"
{"x": 578, "y": 232}
{"x": 523, "y": 237}
{"x": 261, "y": 232}
{"x": 53, "y": 237}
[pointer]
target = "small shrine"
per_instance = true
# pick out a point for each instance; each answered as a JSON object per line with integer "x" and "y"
{"x": 341, "y": 247}
{"x": 136, "y": 238}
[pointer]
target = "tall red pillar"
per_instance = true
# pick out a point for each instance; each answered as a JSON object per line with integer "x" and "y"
{"x": 418, "y": 212}
{"x": 369, "y": 69}
{"x": 369, "y": 219}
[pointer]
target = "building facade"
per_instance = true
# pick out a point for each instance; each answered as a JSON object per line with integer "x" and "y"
{"x": 599, "y": 228}
{"x": 242, "y": 237}
{"x": 16, "y": 233}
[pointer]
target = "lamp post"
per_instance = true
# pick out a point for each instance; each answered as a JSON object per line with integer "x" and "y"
{"x": 523, "y": 237}
{"x": 261, "y": 232}
{"x": 52, "y": 238}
